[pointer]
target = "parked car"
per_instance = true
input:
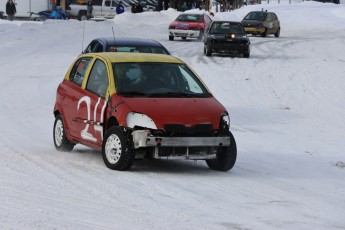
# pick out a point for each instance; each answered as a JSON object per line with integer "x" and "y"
{"x": 135, "y": 105}
{"x": 189, "y": 25}
{"x": 101, "y": 8}
{"x": 123, "y": 44}
{"x": 261, "y": 23}
{"x": 226, "y": 37}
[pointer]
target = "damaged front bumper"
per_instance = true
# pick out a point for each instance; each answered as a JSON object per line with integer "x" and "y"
{"x": 193, "y": 148}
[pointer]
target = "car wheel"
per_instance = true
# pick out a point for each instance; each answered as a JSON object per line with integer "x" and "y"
{"x": 226, "y": 156}
{"x": 246, "y": 55}
{"x": 277, "y": 34}
{"x": 264, "y": 34}
{"x": 82, "y": 15}
{"x": 60, "y": 140}
{"x": 207, "y": 51}
{"x": 171, "y": 38}
{"x": 117, "y": 149}
{"x": 184, "y": 38}
{"x": 201, "y": 35}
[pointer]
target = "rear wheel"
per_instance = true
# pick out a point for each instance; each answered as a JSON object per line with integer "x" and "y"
{"x": 82, "y": 15}
{"x": 246, "y": 55}
{"x": 60, "y": 140}
{"x": 117, "y": 149}
{"x": 226, "y": 156}
{"x": 171, "y": 38}
{"x": 184, "y": 38}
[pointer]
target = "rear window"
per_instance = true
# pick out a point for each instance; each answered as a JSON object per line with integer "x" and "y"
{"x": 138, "y": 49}
{"x": 226, "y": 28}
{"x": 189, "y": 18}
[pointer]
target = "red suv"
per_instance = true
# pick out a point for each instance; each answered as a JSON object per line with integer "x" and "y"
{"x": 189, "y": 25}
{"x": 136, "y": 105}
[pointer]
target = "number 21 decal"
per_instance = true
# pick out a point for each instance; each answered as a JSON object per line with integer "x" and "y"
{"x": 85, "y": 134}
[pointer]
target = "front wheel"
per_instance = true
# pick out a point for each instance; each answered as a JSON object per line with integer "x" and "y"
{"x": 207, "y": 51}
{"x": 277, "y": 34}
{"x": 264, "y": 34}
{"x": 117, "y": 149}
{"x": 226, "y": 157}
{"x": 201, "y": 35}
{"x": 171, "y": 38}
{"x": 59, "y": 135}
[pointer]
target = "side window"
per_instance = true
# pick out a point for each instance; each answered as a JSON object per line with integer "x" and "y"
{"x": 107, "y": 3}
{"x": 113, "y": 3}
{"x": 96, "y": 47}
{"x": 78, "y": 71}
{"x": 98, "y": 80}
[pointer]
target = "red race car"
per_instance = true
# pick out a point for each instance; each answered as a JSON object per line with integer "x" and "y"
{"x": 189, "y": 25}
{"x": 135, "y": 105}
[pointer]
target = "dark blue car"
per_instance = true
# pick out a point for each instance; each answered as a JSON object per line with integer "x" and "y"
{"x": 123, "y": 44}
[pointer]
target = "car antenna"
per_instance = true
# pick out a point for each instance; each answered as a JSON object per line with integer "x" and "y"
{"x": 112, "y": 28}
{"x": 82, "y": 43}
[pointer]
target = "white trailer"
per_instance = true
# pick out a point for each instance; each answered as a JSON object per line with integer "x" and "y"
{"x": 24, "y": 7}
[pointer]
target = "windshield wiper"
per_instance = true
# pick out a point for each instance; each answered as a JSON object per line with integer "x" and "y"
{"x": 133, "y": 94}
{"x": 177, "y": 94}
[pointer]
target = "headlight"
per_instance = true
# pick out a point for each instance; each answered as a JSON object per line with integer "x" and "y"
{"x": 224, "y": 121}
{"x": 139, "y": 119}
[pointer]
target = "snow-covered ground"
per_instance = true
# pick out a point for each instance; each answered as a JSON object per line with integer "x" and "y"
{"x": 287, "y": 107}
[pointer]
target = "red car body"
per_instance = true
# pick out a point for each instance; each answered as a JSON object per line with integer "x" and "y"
{"x": 151, "y": 120}
{"x": 189, "y": 25}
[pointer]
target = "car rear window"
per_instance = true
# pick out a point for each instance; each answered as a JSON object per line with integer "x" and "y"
{"x": 189, "y": 18}
{"x": 138, "y": 49}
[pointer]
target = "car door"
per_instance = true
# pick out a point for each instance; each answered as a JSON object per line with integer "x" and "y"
{"x": 92, "y": 106}
{"x": 71, "y": 92}
{"x": 270, "y": 27}
{"x": 276, "y": 24}
{"x": 109, "y": 9}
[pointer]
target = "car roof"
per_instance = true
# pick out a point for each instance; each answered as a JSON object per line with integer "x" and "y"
{"x": 121, "y": 57}
{"x": 260, "y": 11}
{"x": 235, "y": 22}
{"x": 126, "y": 41}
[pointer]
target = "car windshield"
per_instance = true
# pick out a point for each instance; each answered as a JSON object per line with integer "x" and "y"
{"x": 226, "y": 28}
{"x": 148, "y": 79}
{"x": 259, "y": 16}
{"x": 189, "y": 18}
{"x": 138, "y": 49}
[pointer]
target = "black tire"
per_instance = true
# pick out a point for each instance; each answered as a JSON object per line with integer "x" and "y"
{"x": 171, "y": 38}
{"x": 117, "y": 149}
{"x": 184, "y": 38}
{"x": 207, "y": 51}
{"x": 201, "y": 35}
{"x": 264, "y": 34}
{"x": 277, "y": 34}
{"x": 226, "y": 157}
{"x": 82, "y": 15}
{"x": 59, "y": 136}
{"x": 246, "y": 55}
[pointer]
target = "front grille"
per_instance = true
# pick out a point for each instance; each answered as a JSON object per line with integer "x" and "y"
{"x": 178, "y": 130}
